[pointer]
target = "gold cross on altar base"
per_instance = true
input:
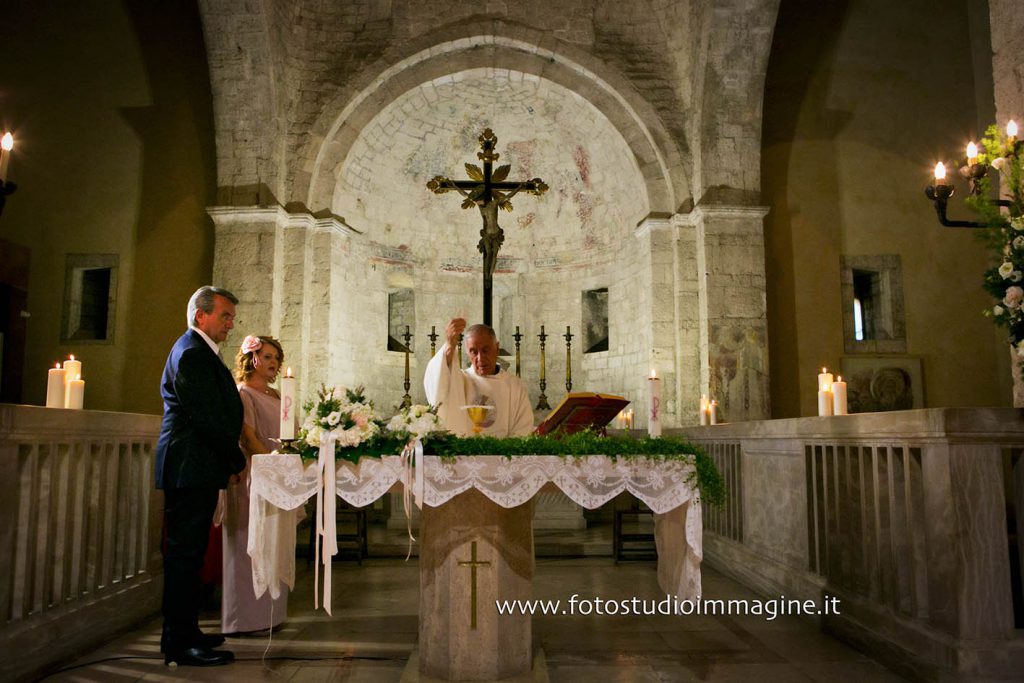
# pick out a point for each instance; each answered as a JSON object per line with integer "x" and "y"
{"x": 473, "y": 563}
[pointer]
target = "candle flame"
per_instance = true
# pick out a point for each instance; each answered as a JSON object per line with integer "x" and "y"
{"x": 972, "y": 151}
{"x": 288, "y": 372}
{"x": 1011, "y": 128}
{"x": 940, "y": 172}
{"x": 7, "y": 142}
{"x": 56, "y": 366}
{"x": 654, "y": 375}
{"x": 840, "y": 379}
{"x": 78, "y": 377}
{"x": 823, "y": 371}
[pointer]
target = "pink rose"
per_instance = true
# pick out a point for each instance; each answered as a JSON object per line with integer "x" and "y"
{"x": 1013, "y": 297}
{"x": 361, "y": 419}
{"x": 251, "y": 343}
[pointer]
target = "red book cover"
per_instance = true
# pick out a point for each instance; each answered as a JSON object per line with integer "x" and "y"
{"x": 581, "y": 410}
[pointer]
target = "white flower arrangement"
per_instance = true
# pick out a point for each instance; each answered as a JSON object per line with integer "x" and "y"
{"x": 343, "y": 413}
{"x": 415, "y": 422}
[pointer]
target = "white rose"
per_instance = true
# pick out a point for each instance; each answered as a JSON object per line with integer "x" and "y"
{"x": 1016, "y": 276}
{"x": 1017, "y": 223}
{"x": 334, "y": 418}
{"x": 998, "y": 310}
{"x": 1005, "y": 270}
{"x": 313, "y": 436}
{"x": 1018, "y": 242}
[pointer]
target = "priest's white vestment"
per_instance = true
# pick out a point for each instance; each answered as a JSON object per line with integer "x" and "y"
{"x": 450, "y": 388}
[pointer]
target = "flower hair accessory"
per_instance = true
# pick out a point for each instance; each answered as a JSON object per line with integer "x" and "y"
{"x": 252, "y": 344}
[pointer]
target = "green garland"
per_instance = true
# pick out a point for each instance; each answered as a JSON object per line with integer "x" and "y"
{"x": 708, "y": 480}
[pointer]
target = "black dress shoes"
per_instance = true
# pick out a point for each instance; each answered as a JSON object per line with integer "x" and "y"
{"x": 199, "y": 656}
{"x": 203, "y": 640}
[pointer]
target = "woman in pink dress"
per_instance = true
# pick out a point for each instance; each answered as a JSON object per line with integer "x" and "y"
{"x": 256, "y": 366}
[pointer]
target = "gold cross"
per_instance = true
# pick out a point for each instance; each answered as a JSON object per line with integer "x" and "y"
{"x": 473, "y": 564}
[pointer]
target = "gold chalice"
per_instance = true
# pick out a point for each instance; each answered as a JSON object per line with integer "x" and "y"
{"x": 478, "y": 414}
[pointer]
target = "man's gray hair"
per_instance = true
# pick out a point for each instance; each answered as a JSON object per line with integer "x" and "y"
{"x": 202, "y": 300}
{"x": 480, "y": 328}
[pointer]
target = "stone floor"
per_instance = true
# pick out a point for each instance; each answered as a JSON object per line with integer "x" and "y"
{"x": 373, "y": 633}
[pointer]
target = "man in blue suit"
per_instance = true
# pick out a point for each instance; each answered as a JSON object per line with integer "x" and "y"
{"x": 196, "y": 455}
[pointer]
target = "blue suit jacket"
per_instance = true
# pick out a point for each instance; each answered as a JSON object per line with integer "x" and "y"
{"x": 198, "y": 444}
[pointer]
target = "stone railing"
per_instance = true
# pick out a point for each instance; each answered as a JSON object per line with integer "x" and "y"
{"x": 909, "y": 518}
{"x": 80, "y": 539}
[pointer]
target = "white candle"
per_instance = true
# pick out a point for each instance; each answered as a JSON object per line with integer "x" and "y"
{"x": 72, "y": 370}
{"x": 629, "y": 418}
{"x": 654, "y": 407}
{"x": 6, "y": 145}
{"x": 839, "y": 397}
{"x": 76, "y": 393}
{"x": 287, "y": 406}
{"x": 703, "y": 409}
{"x": 824, "y": 380}
{"x": 713, "y": 413}
{"x": 55, "y": 387}
{"x": 824, "y": 403}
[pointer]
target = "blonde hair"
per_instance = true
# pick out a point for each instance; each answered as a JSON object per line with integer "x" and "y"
{"x": 243, "y": 361}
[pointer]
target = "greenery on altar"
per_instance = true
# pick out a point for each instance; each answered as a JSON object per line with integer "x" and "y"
{"x": 347, "y": 417}
{"x": 1005, "y": 232}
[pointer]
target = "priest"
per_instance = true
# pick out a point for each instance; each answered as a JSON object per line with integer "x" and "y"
{"x": 484, "y": 382}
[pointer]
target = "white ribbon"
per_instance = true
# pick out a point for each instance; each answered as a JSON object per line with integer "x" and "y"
{"x": 412, "y": 485}
{"x": 326, "y": 520}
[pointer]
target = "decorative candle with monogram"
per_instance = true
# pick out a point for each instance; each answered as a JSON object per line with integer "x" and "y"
{"x": 654, "y": 407}
{"x": 287, "y": 406}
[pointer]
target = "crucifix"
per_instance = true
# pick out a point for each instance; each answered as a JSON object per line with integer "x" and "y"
{"x": 472, "y": 563}
{"x": 488, "y": 190}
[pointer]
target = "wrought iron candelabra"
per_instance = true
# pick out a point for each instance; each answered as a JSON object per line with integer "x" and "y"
{"x": 407, "y": 399}
{"x": 568, "y": 358}
{"x": 518, "y": 337}
{"x": 433, "y": 341}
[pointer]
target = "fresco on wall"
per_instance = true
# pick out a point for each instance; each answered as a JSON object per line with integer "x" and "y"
{"x": 879, "y": 384}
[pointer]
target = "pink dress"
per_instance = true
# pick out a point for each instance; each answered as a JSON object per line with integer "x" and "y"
{"x": 240, "y": 610}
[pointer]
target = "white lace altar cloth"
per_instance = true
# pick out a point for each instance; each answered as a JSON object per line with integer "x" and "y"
{"x": 281, "y": 481}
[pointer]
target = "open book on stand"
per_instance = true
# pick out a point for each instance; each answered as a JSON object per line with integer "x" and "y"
{"x": 582, "y": 410}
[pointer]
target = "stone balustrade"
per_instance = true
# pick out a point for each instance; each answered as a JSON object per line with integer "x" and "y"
{"x": 80, "y": 539}
{"x": 909, "y": 518}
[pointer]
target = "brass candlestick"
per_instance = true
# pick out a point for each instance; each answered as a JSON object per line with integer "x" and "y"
{"x": 542, "y": 401}
{"x": 433, "y": 341}
{"x": 568, "y": 358}
{"x": 407, "y": 399}
{"x": 517, "y": 337}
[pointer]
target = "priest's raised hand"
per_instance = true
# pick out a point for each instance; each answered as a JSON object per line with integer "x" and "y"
{"x": 484, "y": 382}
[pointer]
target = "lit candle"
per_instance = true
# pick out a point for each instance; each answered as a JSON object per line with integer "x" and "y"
{"x": 654, "y": 413}
{"x": 972, "y": 153}
{"x": 713, "y": 413}
{"x": 72, "y": 369}
{"x": 1011, "y": 132}
{"x": 55, "y": 387}
{"x": 703, "y": 409}
{"x": 76, "y": 393}
{"x": 6, "y": 145}
{"x": 629, "y": 419}
{"x": 287, "y": 406}
{"x": 824, "y": 403}
{"x": 839, "y": 397}
{"x": 824, "y": 380}
{"x": 940, "y": 173}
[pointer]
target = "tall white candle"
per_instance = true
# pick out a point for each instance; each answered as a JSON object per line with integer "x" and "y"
{"x": 72, "y": 370}
{"x": 654, "y": 407}
{"x": 824, "y": 403}
{"x": 824, "y": 380}
{"x": 287, "y": 406}
{"x": 839, "y": 397}
{"x": 55, "y": 387}
{"x": 713, "y": 413}
{"x": 703, "y": 410}
{"x": 6, "y": 145}
{"x": 76, "y": 393}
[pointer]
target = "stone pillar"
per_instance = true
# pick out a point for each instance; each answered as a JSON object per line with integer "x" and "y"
{"x": 499, "y": 646}
{"x": 244, "y": 252}
{"x": 732, "y": 294}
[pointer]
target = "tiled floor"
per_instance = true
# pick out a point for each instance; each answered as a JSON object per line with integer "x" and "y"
{"x": 374, "y": 629}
